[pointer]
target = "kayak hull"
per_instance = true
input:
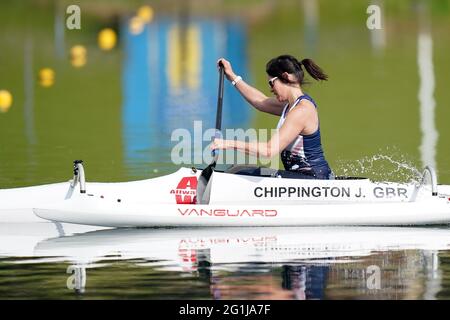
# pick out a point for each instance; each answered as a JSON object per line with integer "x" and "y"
{"x": 84, "y": 209}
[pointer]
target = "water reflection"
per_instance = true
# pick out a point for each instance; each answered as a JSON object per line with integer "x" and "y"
{"x": 59, "y": 29}
{"x": 311, "y": 16}
{"x": 170, "y": 80}
{"x": 427, "y": 87}
{"x": 19, "y": 239}
{"x": 378, "y": 35}
{"x": 28, "y": 84}
{"x": 256, "y": 263}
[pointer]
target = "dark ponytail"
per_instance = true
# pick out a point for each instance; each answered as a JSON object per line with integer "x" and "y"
{"x": 314, "y": 70}
{"x": 287, "y": 63}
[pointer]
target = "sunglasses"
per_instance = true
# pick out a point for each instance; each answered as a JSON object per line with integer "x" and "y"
{"x": 271, "y": 81}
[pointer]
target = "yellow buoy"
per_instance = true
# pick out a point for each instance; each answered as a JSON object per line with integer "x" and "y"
{"x": 46, "y": 77}
{"x": 145, "y": 13}
{"x": 78, "y": 56}
{"x": 136, "y": 25}
{"x": 107, "y": 39}
{"x": 5, "y": 100}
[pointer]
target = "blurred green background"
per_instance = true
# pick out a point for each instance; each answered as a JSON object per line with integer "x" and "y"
{"x": 370, "y": 109}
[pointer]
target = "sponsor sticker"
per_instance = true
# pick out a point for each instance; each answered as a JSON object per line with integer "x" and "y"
{"x": 186, "y": 191}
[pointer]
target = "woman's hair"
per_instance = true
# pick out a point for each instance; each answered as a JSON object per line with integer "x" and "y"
{"x": 287, "y": 63}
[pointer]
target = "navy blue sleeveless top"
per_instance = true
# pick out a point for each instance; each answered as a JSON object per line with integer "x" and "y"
{"x": 305, "y": 154}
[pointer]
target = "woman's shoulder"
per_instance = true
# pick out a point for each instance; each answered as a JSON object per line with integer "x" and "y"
{"x": 306, "y": 104}
{"x": 304, "y": 109}
{"x": 308, "y": 99}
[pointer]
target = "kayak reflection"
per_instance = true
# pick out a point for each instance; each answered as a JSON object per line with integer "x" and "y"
{"x": 231, "y": 245}
{"x": 233, "y": 261}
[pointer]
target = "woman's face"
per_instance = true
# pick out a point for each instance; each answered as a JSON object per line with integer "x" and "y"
{"x": 282, "y": 90}
{"x": 276, "y": 87}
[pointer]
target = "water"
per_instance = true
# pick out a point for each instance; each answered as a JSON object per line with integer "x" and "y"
{"x": 381, "y": 167}
{"x": 227, "y": 263}
{"x": 384, "y": 115}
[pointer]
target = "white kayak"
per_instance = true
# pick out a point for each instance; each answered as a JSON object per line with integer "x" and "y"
{"x": 234, "y": 199}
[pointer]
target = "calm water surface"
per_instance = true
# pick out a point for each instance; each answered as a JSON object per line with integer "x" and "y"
{"x": 43, "y": 261}
{"x": 384, "y": 114}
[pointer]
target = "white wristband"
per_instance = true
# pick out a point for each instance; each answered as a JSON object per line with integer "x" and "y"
{"x": 236, "y": 80}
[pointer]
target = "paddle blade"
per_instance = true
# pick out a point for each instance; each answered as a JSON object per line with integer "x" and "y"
{"x": 203, "y": 183}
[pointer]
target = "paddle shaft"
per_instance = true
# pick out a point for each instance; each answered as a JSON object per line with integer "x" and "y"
{"x": 220, "y": 97}
{"x": 215, "y": 153}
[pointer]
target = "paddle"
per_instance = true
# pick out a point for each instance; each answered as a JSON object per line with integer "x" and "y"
{"x": 207, "y": 172}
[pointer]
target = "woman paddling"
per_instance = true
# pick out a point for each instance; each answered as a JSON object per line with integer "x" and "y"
{"x": 298, "y": 134}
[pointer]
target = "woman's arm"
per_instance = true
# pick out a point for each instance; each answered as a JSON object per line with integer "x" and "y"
{"x": 292, "y": 127}
{"x": 253, "y": 96}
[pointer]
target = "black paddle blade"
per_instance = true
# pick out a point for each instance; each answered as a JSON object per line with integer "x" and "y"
{"x": 203, "y": 183}
{"x": 207, "y": 172}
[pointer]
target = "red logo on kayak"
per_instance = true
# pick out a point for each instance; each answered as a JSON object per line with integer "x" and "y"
{"x": 186, "y": 191}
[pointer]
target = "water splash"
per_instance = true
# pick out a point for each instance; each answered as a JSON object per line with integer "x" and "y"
{"x": 381, "y": 167}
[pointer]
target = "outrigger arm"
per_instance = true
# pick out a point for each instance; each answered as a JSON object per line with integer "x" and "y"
{"x": 78, "y": 176}
{"x": 433, "y": 179}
